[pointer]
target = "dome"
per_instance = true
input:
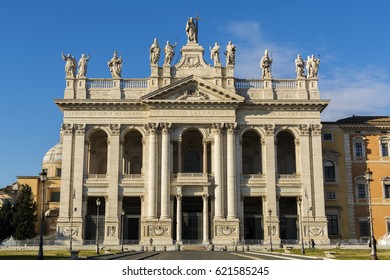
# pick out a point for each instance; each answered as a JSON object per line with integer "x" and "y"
{"x": 54, "y": 155}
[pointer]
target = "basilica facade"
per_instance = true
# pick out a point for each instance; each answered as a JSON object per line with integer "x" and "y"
{"x": 191, "y": 153}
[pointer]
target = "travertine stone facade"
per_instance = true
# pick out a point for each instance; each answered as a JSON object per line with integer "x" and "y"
{"x": 192, "y": 153}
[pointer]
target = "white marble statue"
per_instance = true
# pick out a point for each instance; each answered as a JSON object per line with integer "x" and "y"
{"x": 154, "y": 52}
{"x": 300, "y": 66}
{"x": 115, "y": 65}
{"x": 169, "y": 53}
{"x": 313, "y": 65}
{"x": 230, "y": 54}
{"x": 70, "y": 65}
{"x": 214, "y": 54}
{"x": 83, "y": 66}
{"x": 265, "y": 65}
{"x": 192, "y": 31}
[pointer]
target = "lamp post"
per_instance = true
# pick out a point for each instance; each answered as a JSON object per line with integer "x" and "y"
{"x": 71, "y": 221}
{"x": 300, "y": 225}
{"x": 368, "y": 177}
{"x": 122, "y": 224}
{"x": 97, "y": 225}
{"x": 270, "y": 228}
{"x": 308, "y": 223}
{"x": 42, "y": 178}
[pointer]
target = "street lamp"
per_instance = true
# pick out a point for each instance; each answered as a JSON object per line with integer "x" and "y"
{"x": 97, "y": 225}
{"x": 42, "y": 178}
{"x": 123, "y": 219}
{"x": 368, "y": 177}
{"x": 71, "y": 221}
{"x": 300, "y": 225}
{"x": 270, "y": 228}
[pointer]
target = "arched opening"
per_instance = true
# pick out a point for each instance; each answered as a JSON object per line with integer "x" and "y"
{"x": 98, "y": 153}
{"x": 329, "y": 171}
{"x": 132, "y": 153}
{"x": 192, "y": 151}
{"x": 251, "y": 153}
{"x": 286, "y": 159}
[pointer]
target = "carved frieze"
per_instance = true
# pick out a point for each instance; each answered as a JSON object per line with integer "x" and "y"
{"x": 158, "y": 231}
{"x": 68, "y": 231}
{"x": 191, "y": 61}
{"x": 226, "y": 231}
{"x": 193, "y": 94}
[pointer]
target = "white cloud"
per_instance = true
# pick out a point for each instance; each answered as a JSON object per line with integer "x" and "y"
{"x": 353, "y": 90}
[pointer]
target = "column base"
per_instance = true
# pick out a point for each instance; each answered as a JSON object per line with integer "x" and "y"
{"x": 157, "y": 232}
{"x": 226, "y": 232}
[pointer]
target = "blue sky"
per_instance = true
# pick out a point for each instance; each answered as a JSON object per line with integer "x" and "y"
{"x": 351, "y": 37}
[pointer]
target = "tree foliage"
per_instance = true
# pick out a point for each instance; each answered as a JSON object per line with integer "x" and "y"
{"x": 6, "y": 216}
{"x": 24, "y": 217}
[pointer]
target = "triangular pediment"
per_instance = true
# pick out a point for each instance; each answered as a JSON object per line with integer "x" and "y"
{"x": 192, "y": 89}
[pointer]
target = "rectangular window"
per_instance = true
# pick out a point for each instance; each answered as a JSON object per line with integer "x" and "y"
{"x": 358, "y": 149}
{"x": 330, "y": 195}
{"x": 364, "y": 228}
{"x": 333, "y": 224}
{"x": 361, "y": 189}
{"x": 387, "y": 191}
{"x": 55, "y": 197}
{"x": 328, "y": 137}
{"x": 385, "y": 149}
{"x": 58, "y": 172}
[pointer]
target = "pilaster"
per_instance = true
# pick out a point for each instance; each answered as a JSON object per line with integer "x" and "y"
{"x": 165, "y": 170}
{"x": 217, "y": 163}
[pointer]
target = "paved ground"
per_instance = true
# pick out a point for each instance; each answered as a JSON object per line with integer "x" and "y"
{"x": 203, "y": 255}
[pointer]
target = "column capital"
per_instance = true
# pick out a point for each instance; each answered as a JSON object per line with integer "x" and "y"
{"x": 79, "y": 129}
{"x": 67, "y": 128}
{"x": 151, "y": 127}
{"x": 179, "y": 196}
{"x": 165, "y": 127}
{"x": 269, "y": 129}
{"x": 316, "y": 129}
{"x": 231, "y": 127}
{"x": 115, "y": 129}
{"x": 303, "y": 129}
{"x": 205, "y": 196}
{"x": 217, "y": 127}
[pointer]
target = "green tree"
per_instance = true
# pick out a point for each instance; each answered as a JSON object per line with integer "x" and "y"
{"x": 6, "y": 215}
{"x": 24, "y": 214}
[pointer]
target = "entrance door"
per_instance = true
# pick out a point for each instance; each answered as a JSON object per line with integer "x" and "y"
{"x": 288, "y": 219}
{"x": 192, "y": 219}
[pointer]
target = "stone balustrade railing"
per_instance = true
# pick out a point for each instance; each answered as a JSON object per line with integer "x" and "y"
{"x": 124, "y": 84}
{"x": 259, "y": 84}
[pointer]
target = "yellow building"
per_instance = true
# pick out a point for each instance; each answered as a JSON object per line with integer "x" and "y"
{"x": 336, "y": 195}
{"x": 366, "y": 143}
{"x": 52, "y": 165}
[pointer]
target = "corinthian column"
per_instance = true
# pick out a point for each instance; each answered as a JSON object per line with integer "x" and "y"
{"x": 231, "y": 171}
{"x": 205, "y": 197}
{"x": 178, "y": 218}
{"x": 151, "y": 202}
{"x": 217, "y": 162}
{"x": 165, "y": 170}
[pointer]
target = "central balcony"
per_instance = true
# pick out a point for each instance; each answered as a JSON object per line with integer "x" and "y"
{"x": 191, "y": 178}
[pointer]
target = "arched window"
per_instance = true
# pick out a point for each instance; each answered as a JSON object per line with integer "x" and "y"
{"x": 98, "y": 153}
{"x": 329, "y": 171}
{"x": 286, "y": 153}
{"x": 191, "y": 162}
{"x": 251, "y": 153}
{"x": 132, "y": 153}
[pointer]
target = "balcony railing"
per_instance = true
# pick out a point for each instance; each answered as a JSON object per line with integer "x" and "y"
{"x": 124, "y": 84}
{"x": 259, "y": 84}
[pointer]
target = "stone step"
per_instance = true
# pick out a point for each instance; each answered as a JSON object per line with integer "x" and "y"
{"x": 193, "y": 248}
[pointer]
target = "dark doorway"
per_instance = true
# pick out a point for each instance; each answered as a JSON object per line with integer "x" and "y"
{"x": 253, "y": 218}
{"x": 288, "y": 219}
{"x": 132, "y": 218}
{"x": 192, "y": 218}
{"x": 91, "y": 219}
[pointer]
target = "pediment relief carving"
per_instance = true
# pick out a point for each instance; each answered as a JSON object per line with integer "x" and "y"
{"x": 193, "y": 89}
